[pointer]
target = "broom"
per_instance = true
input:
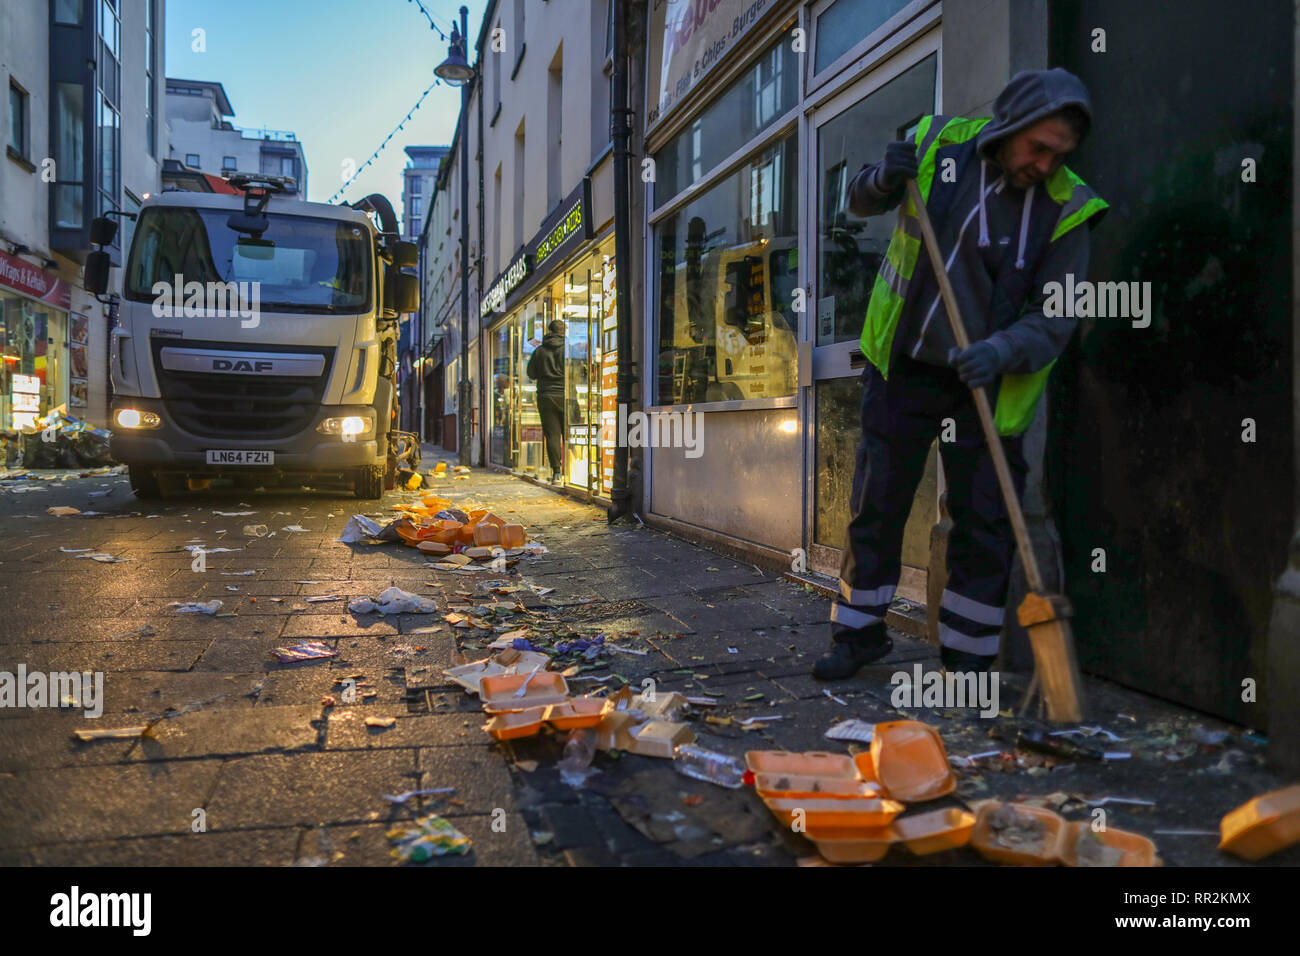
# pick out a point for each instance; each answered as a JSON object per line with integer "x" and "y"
{"x": 1045, "y": 616}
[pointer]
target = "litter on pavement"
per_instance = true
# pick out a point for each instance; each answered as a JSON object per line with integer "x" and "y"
{"x": 393, "y": 601}
{"x": 303, "y": 651}
{"x": 197, "y": 607}
{"x": 425, "y": 838}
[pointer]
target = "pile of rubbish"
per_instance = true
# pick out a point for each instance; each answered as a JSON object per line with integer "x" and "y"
{"x": 58, "y": 440}
{"x": 456, "y": 537}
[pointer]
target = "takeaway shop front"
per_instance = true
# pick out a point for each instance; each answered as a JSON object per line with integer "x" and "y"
{"x": 566, "y": 272}
{"x": 44, "y": 357}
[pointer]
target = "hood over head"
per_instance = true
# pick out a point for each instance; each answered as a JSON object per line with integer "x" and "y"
{"x": 1030, "y": 96}
{"x": 554, "y": 340}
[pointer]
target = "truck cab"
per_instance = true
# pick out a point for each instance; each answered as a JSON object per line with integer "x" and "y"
{"x": 256, "y": 339}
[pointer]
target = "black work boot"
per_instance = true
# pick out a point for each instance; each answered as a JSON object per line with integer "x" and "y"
{"x": 962, "y": 662}
{"x": 851, "y": 650}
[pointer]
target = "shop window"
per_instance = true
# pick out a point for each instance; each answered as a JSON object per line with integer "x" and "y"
{"x": 762, "y": 94}
{"x": 728, "y": 267}
{"x": 846, "y": 23}
{"x": 851, "y": 248}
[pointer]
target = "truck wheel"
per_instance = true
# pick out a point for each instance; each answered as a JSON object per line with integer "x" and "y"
{"x": 144, "y": 483}
{"x": 369, "y": 483}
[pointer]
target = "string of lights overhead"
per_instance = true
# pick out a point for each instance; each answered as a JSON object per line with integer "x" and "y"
{"x": 375, "y": 155}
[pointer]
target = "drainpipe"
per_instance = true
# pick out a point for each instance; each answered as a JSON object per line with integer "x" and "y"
{"x": 620, "y": 130}
{"x": 480, "y": 261}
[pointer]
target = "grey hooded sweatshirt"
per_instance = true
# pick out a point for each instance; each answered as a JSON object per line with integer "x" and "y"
{"x": 987, "y": 220}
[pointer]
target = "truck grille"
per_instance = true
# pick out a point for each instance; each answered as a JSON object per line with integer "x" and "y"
{"x": 229, "y": 406}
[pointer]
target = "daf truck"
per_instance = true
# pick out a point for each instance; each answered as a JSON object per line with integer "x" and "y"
{"x": 256, "y": 338}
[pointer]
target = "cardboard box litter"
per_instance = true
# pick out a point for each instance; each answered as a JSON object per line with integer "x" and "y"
{"x": 658, "y": 738}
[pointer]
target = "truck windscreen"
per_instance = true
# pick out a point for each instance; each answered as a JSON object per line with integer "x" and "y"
{"x": 303, "y": 264}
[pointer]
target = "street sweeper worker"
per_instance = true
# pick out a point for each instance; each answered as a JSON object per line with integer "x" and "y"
{"x": 1010, "y": 218}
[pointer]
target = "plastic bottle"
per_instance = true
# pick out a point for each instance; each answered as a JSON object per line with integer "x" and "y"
{"x": 709, "y": 766}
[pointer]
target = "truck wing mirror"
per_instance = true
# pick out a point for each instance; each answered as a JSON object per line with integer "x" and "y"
{"x": 102, "y": 230}
{"x": 406, "y": 255}
{"x": 95, "y": 275}
{"x": 401, "y": 292}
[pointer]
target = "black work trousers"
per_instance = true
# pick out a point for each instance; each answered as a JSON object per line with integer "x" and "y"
{"x": 901, "y": 418}
{"x": 550, "y": 406}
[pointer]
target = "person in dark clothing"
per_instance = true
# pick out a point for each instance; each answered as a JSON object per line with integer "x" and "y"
{"x": 546, "y": 368}
{"x": 1008, "y": 214}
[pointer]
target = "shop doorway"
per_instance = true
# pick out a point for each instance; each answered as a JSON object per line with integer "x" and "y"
{"x": 849, "y": 130}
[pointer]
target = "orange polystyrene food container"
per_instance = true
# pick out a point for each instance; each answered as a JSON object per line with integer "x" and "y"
{"x": 867, "y": 846}
{"x": 805, "y": 786}
{"x": 486, "y": 534}
{"x": 498, "y": 693}
{"x": 578, "y": 712}
{"x": 1138, "y": 850}
{"x": 935, "y": 831}
{"x": 512, "y": 536}
{"x": 908, "y": 759}
{"x": 522, "y": 723}
{"x": 1262, "y": 825}
{"x": 813, "y": 763}
{"x": 1048, "y": 855}
{"x": 829, "y": 813}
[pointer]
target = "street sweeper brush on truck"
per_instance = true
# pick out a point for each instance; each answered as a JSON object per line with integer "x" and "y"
{"x": 256, "y": 338}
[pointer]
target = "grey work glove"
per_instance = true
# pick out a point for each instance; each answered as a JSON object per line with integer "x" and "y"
{"x": 899, "y": 165}
{"x": 977, "y": 366}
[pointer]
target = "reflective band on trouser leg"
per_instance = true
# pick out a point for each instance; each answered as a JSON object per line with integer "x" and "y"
{"x": 851, "y": 617}
{"x": 986, "y": 646}
{"x": 972, "y": 610}
{"x": 969, "y": 625}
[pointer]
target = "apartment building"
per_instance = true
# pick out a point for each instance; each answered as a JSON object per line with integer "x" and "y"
{"x": 203, "y": 138}
{"x": 83, "y": 119}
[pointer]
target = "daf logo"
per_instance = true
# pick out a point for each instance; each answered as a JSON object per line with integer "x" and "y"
{"x": 241, "y": 365}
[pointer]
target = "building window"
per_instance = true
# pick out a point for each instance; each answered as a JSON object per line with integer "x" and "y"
{"x": 846, "y": 23}
{"x": 517, "y": 44}
{"x": 69, "y": 155}
{"x": 415, "y": 206}
{"x": 67, "y": 12}
{"x": 192, "y": 160}
{"x": 414, "y": 185}
{"x": 416, "y": 227}
{"x": 108, "y": 77}
{"x": 753, "y": 102}
{"x": 18, "y": 119}
{"x": 228, "y": 162}
{"x": 150, "y": 81}
{"x": 288, "y": 166}
{"x": 728, "y": 266}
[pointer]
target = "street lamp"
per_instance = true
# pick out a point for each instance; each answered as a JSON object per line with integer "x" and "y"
{"x": 456, "y": 71}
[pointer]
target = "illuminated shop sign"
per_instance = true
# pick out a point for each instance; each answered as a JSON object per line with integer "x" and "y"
{"x": 568, "y": 226}
{"x": 494, "y": 299}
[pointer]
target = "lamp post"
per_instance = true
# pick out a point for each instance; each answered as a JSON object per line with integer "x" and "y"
{"x": 456, "y": 71}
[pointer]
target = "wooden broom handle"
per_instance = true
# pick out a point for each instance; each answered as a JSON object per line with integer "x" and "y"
{"x": 981, "y": 396}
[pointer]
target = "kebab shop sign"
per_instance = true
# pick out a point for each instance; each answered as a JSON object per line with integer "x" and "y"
{"x": 31, "y": 280}
{"x": 688, "y": 38}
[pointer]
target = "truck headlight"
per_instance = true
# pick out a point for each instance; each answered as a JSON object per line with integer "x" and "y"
{"x": 348, "y": 427}
{"x": 134, "y": 418}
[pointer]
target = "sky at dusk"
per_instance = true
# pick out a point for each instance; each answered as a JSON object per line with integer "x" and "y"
{"x": 341, "y": 74}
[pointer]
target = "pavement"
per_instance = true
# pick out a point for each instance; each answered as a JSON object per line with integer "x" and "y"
{"x": 247, "y": 763}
